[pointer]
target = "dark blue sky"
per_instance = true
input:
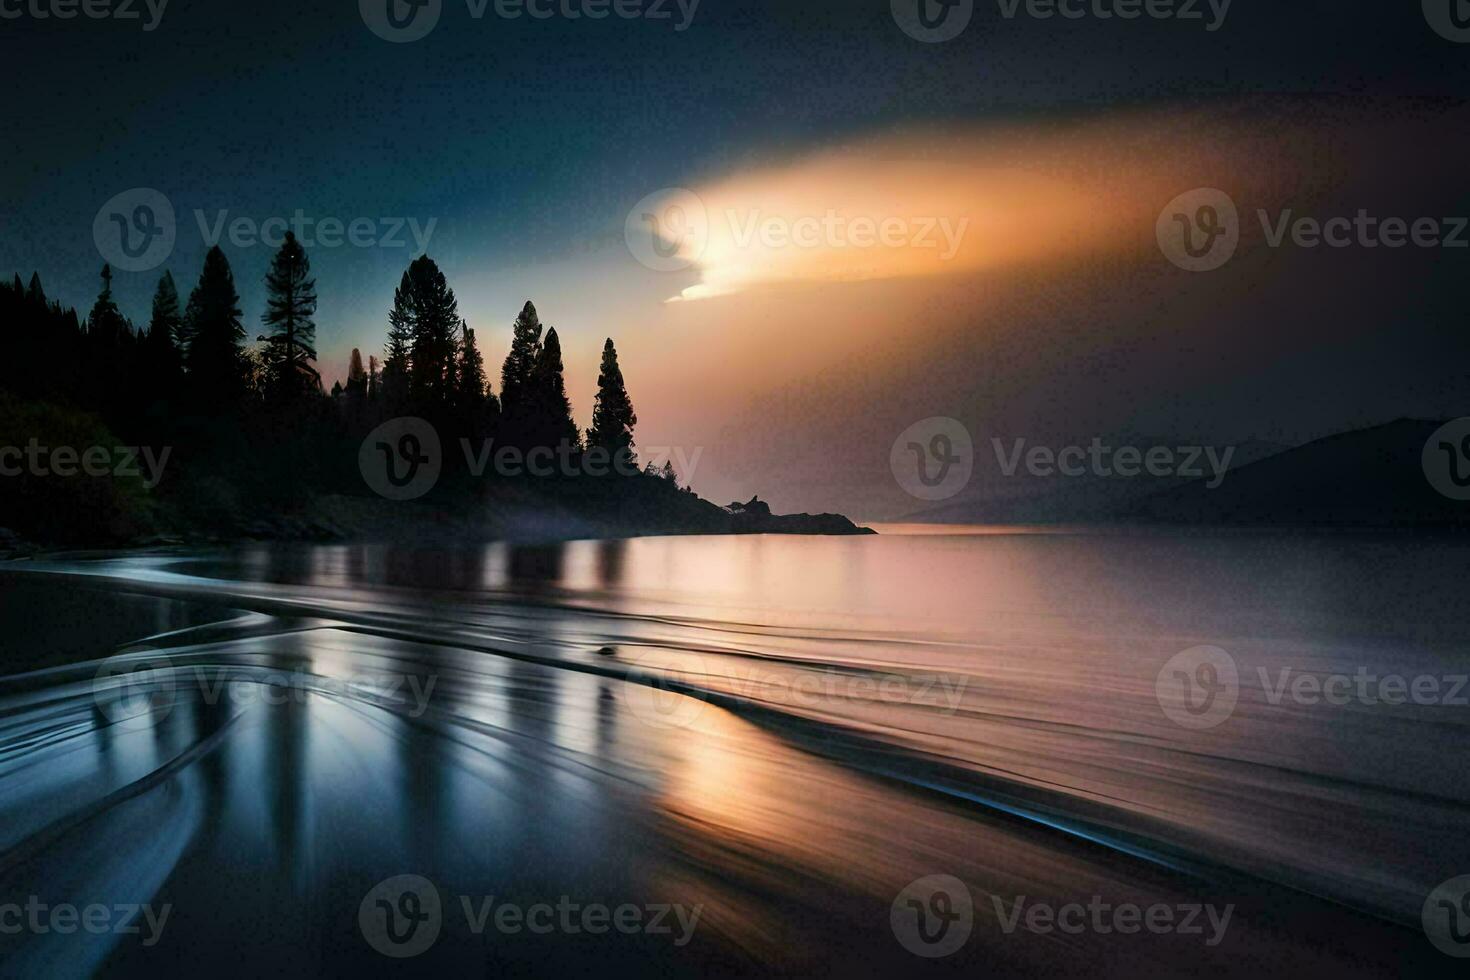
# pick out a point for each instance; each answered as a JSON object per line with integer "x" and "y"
{"x": 527, "y": 139}
{"x": 526, "y": 142}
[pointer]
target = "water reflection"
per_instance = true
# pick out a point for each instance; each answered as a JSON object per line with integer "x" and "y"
{"x": 874, "y": 710}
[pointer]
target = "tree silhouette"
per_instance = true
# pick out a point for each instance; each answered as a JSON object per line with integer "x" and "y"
{"x": 105, "y": 323}
{"x": 290, "y": 347}
{"x": 396, "y": 351}
{"x": 551, "y": 418}
{"x": 419, "y": 367}
{"x": 613, "y": 417}
{"x": 212, "y": 325}
{"x": 109, "y": 352}
{"x": 478, "y": 408}
{"x": 515, "y": 376}
{"x": 435, "y": 327}
{"x": 162, "y": 366}
{"x": 260, "y": 464}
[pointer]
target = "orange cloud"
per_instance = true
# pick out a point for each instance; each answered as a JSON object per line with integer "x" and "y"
{"x": 927, "y": 204}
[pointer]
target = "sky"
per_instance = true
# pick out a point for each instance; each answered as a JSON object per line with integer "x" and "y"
{"x": 1011, "y": 177}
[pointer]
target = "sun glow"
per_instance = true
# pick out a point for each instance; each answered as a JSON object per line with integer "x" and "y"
{"x": 909, "y": 207}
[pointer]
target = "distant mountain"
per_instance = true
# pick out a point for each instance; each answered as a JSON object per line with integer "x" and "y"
{"x": 1025, "y": 499}
{"x": 1369, "y": 477}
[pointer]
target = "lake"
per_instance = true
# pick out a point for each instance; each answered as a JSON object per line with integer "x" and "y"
{"x": 1002, "y": 751}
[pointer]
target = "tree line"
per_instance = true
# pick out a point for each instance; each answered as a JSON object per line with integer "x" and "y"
{"x": 194, "y": 359}
{"x": 252, "y": 431}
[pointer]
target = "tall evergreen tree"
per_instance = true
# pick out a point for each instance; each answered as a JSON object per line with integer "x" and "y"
{"x": 108, "y": 354}
{"x": 478, "y": 407}
{"x": 166, "y": 320}
{"x": 613, "y": 417}
{"x": 396, "y": 351}
{"x": 212, "y": 324}
{"x": 290, "y": 347}
{"x": 423, "y": 340}
{"x": 515, "y": 374}
{"x": 357, "y": 387}
{"x": 105, "y": 324}
{"x": 550, "y": 409}
{"x": 471, "y": 372}
{"x": 436, "y": 327}
{"x": 162, "y": 365}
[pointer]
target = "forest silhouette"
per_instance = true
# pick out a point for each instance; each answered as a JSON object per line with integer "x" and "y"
{"x": 255, "y": 439}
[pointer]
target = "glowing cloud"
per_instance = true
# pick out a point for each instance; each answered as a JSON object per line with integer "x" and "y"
{"x": 922, "y": 204}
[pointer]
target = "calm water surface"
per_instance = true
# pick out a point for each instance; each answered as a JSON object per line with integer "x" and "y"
{"x": 782, "y": 733}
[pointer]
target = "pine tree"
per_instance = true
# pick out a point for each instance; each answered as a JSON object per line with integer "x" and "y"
{"x": 372, "y": 383}
{"x": 471, "y": 394}
{"x": 550, "y": 410}
{"x": 423, "y": 342}
{"x": 356, "y": 376}
{"x": 290, "y": 305}
{"x": 163, "y": 366}
{"x": 435, "y": 338}
{"x": 105, "y": 324}
{"x": 357, "y": 388}
{"x": 166, "y": 320}
{"x": 515, "y": 374}
{"x": 214, "y": 358}
{"x": 613, "y": 417}
{"x": 108, "y": 353}
{"x": 396, "y": 351}
{"x": 478, "y": 407}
